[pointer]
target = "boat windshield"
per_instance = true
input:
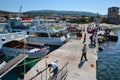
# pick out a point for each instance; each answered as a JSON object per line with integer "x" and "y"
{"x": 57, "y": 34}
{"x": 40, "y": 34}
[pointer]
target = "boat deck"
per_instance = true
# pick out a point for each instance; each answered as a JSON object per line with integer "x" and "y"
{"x": 70, "y": 52}
{"x": 7, "y": 37}
{"x": 11, "y": 64}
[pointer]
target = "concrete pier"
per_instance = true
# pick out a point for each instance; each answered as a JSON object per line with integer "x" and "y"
{"x": 70, "y": 52}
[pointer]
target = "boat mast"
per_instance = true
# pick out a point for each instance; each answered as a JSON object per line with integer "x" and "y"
{"x": 20, "y": 9}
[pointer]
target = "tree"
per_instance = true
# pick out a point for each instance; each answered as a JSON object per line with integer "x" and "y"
{"x": 7, "y": 17}
{"x": 91, "y": 19}
{"x": 104, "y": 20}
{"x": 63, "y": 19}
{"x": 83, "y": 19}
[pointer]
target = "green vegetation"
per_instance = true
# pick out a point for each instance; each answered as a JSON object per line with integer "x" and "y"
{"x": 57, "y": 13}
{"x": 83, "y": 19}
{"x": 4, "y": 12}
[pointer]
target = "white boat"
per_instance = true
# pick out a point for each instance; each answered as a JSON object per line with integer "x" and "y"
{"x": 15, "y": 48}
{"x": 41, "y": 31}
{"x": 48, "y": 33}
{"x": 17, "y": 25}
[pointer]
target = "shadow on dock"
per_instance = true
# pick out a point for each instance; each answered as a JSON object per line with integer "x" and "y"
{"x": 81, "y": 64}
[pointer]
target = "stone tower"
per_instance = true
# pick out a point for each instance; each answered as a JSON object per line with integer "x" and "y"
{"x": 113, "y": 15}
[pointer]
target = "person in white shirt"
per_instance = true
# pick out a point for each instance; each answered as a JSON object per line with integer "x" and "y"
{"x": 53, "y": 68}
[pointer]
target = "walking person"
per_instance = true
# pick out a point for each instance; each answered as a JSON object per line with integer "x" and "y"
{"x": 94, "y": 40}
{"x": 84, "y": 38}
{"x": 91, "y": 39}
{"x": 53, "y": 69}
{"x": 84, "y": 51}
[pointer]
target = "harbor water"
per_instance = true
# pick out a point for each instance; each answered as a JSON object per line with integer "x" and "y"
{"x": 109, "y": 60}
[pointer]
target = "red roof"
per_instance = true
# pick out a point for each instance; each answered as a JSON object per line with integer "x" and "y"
{"x": 26, "y": 18}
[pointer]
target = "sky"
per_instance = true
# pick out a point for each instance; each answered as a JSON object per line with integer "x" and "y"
{"x": 100, "y": 6}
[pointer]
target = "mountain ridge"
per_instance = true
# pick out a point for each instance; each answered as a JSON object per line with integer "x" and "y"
{"x": 54, "y": 12}
{"x": 63, "y": 12}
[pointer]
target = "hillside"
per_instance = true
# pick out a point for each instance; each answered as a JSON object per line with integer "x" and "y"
{"x": 57, "y": 13}
{"x": 4, "y": 12}
{"x": 52, "y": 13}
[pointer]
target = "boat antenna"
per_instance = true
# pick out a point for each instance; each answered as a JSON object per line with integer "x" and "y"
{"x": 20, "y": 11}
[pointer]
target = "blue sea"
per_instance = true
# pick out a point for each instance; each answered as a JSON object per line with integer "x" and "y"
{"x": 109, "y": 60}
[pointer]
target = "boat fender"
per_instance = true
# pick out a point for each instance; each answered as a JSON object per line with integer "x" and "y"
{"x": 100, "y": 49}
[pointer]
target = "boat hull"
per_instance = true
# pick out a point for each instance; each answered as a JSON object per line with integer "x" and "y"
{"x": 50, "y": 41}
{"x": 14, "y": 52}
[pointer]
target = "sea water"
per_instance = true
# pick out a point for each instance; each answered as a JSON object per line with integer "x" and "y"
{"x": 109, "y": 60}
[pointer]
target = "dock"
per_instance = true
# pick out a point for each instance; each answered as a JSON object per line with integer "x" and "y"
{"x": 11, "y": 64}
{"x": 69, "y": 52}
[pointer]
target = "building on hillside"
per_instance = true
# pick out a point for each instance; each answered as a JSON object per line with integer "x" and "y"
{"x": 113, "y": 15}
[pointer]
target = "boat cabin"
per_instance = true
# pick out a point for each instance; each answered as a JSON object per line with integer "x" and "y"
{"x": 14, "y": 44}
{"x": 16, "y": 25}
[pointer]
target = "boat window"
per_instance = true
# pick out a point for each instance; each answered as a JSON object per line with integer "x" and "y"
{"x": 34, "y": 23}
{"x": 28, "y": 33}
{"x": 56, "y": 34}
{"x": 41, "y": 34}
{"x": 41, "y": 22}
{"x": 12, "y": 23}
{"x": 13, "y": 31}
{"x": 14, "y": 44}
